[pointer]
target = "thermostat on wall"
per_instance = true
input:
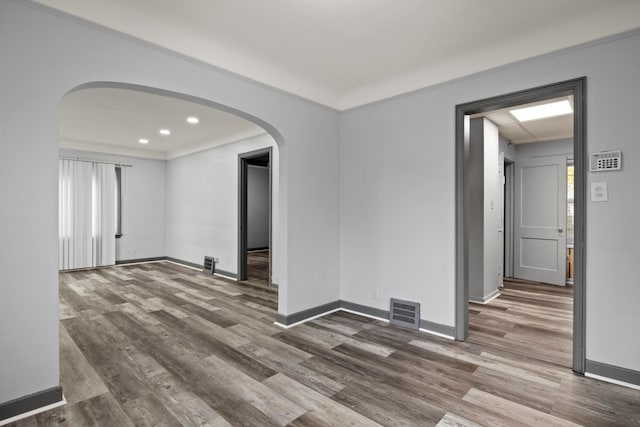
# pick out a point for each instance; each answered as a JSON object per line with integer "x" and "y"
{"x": 605, "y": 161}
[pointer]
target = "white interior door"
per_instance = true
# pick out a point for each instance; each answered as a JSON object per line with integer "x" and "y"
{"x": 541, "y": 219}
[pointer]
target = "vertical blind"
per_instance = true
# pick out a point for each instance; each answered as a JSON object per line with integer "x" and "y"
{"x": 87, "y": 214}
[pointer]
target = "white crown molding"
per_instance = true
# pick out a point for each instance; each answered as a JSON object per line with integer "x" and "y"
{"x": 196, "y": 148}
{"x": 98, "y": 147}
{"x": 112, "y": 149}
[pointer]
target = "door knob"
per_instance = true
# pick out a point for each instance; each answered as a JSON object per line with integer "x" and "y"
{"x": 560, "y": 230}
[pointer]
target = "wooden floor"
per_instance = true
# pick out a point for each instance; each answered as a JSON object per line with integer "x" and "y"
{"x": 527, "y": 312}
{"x": 160, "y": 344}
{"x": 258, "y": 267}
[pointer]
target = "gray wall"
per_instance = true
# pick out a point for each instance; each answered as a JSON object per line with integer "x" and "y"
{"x": 557, "y": 147}
{"x": 143, "y": 204}
{"x": 202, "y": 204}
{"x": 484, "y": 210}
{"x": 397, "y": 163}
{"x": 257, "y": 207}
{"x": 46, "y": 54}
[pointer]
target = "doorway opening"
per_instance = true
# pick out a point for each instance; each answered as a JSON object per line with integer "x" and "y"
{"x": 531, "y": 199}
{"x": 254, "y": 217}
{"x": 468, "y": 251}
{"x": 165, "y": 199}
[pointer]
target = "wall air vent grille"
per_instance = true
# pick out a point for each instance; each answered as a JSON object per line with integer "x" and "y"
{"x": 209, "y": 265}
{"x": 405, "y": 314}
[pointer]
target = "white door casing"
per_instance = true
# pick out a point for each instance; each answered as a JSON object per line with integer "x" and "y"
{"x": 541, "y": 220}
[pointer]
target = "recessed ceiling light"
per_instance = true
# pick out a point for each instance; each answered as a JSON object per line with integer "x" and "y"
{"x": 143, "y": 141}
{"x": 542, "y": 111}
{"x": 193, "y": 120}
{"x": 165, "y": 132}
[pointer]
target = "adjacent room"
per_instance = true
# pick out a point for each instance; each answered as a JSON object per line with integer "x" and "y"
{"x": 521, "y": 286}
{"x": 161, "y": 174}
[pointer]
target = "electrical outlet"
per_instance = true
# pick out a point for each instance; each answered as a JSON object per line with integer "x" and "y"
{"x": 215, "y": 260}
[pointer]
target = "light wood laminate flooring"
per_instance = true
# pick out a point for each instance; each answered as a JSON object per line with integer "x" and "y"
{"x": 161, "y": 344}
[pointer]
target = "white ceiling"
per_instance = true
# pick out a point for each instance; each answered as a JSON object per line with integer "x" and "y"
{"x": 113, "y": 120}
{"x": 517, "y": 132}
{"x": 344, "y": 53}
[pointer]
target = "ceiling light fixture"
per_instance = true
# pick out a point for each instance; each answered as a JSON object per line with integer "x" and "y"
{"x": 165, "y": 132}
{"x": 552, "y": 109}
{"x": 143, "y": 141}
{"x": 193, "y": 120}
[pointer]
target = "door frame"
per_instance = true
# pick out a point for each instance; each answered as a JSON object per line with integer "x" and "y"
{"x": 244, "y": 159}
{"x": 577, "y": 88}
{"x": 509, "y": 171}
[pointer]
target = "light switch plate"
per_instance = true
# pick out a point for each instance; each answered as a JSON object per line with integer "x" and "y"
{"x": 599, "y": 192}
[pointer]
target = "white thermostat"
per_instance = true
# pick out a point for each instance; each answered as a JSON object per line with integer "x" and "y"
{"x": 605, "y": 161}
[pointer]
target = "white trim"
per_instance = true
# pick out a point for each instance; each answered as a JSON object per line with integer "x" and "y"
{"x": 79, "y": 159}
{"x": 359, "y": 314}
{"x": 612, "y": 381}
{"x": 307, "y": 319}
{"x": 182, "y": 265}
{"x": 198, "y": 148}
{"x": 428, "y": 331}
{"x": 117, "y": 150}
{"x": 136, "y": 263}
{"x": 485, "y": 300}
{"x": 438, "y": 334}
{"x": 33, "y": 412}
{"x": 194, "y": 268}
{"x": 370, "y": 316}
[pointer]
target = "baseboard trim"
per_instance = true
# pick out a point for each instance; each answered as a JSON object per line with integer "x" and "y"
{"x": 312, "y": 313}
{"x": 185, "y": 263}
{"x": 226, "y": 274}
{"x": 486, "y": 299}
{"x": 445, "y": 331}
{"x": 604, "y": 371}
{"x": 140, "y": 260}
{"x": 365, "y": 309}
{"x": 305, "y": 315}
{"x": 196, "y": 266}
{"x": 193, "y": 265}
{"x": 31, "y": 402}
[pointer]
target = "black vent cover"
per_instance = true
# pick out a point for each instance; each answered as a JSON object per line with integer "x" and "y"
{"x": 209, "y": 265}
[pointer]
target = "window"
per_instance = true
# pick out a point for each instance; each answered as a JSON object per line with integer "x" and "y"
{"x": 86, "y": 215}
{"x": 570, "y": 204}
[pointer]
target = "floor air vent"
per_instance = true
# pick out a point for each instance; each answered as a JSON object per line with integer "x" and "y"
{"x": 405, "y": 314}
{"x": 209, "y": 265}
